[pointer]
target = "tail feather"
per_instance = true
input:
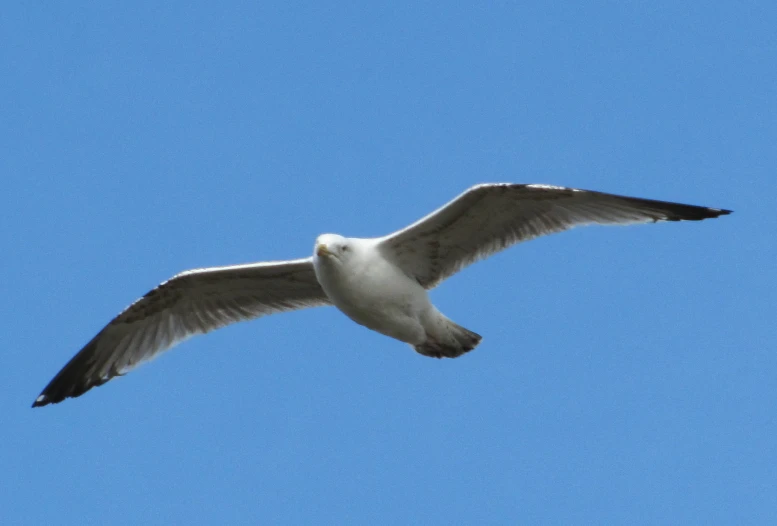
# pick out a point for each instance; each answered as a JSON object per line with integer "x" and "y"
{"x": 451, "y": 342}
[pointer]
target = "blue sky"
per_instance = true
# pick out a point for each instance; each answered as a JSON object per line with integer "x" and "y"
{"x": 627, "y": 375}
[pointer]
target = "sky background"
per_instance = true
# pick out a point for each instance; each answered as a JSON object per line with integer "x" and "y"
{"x": 626, "y": 375}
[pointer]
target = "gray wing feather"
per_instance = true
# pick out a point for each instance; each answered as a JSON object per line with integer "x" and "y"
{"x": 193, "y": 302}
{"x": 491, "y": 217}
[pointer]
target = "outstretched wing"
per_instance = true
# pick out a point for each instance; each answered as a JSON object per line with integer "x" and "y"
{"x": 491, "y": 217}
{"x": 193, "y": 302}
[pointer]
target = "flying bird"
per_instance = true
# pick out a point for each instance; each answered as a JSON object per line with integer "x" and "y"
{"x": 380, "y": 283}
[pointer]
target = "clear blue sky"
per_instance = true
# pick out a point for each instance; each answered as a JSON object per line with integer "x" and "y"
{"x": 626, "y": 375}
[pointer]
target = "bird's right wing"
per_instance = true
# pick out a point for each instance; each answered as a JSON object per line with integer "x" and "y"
{"x": 193, "y": 302}
{"x": 491, "y": 217}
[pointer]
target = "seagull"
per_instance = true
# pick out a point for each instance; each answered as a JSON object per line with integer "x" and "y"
{"x": 380, "y": 283}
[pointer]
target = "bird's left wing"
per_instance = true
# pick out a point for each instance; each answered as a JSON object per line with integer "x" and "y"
{"x": 193, "y": 302}
{"x": 491, "y": 217}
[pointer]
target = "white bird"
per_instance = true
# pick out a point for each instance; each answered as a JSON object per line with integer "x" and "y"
{"x": 380, "y": 283}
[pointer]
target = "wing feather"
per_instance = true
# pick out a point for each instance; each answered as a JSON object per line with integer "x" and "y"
{"x": 193, "y": 302}
{"x": 488, "y": 218}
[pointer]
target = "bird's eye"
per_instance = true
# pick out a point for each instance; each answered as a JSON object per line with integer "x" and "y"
{"x": 344, "y": 248}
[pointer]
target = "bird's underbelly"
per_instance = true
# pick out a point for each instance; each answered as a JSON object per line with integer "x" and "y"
{"x": 391, "y": 305}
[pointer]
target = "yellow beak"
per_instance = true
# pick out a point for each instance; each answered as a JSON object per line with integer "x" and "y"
{"x": 322, "y": 251}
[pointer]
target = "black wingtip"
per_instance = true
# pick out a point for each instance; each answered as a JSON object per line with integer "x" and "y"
{"x": 74, "y": 379}
{"x": 717, "y": 212}
{"x": 680, "y": 212}
{"x": 58, "y": 391}
{"x": 65, "y": 386}
{"x": 49, "y": 397}
{"x": 40, "y": 401}
{"x": 707, "y": 213}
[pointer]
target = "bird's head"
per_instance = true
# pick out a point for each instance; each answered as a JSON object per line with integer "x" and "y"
{"x": 332, "y": 246}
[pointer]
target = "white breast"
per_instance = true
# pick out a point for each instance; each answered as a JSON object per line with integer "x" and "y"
{"x": 373, "y": 292}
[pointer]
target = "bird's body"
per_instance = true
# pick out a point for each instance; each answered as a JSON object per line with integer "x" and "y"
{"x": 377, "y": 293}
{"x": 380, "y": 283}
{"x": 373, "y": 293}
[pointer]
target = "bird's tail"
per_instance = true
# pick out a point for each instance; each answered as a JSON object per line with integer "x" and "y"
{"x": 449, "y": 341}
